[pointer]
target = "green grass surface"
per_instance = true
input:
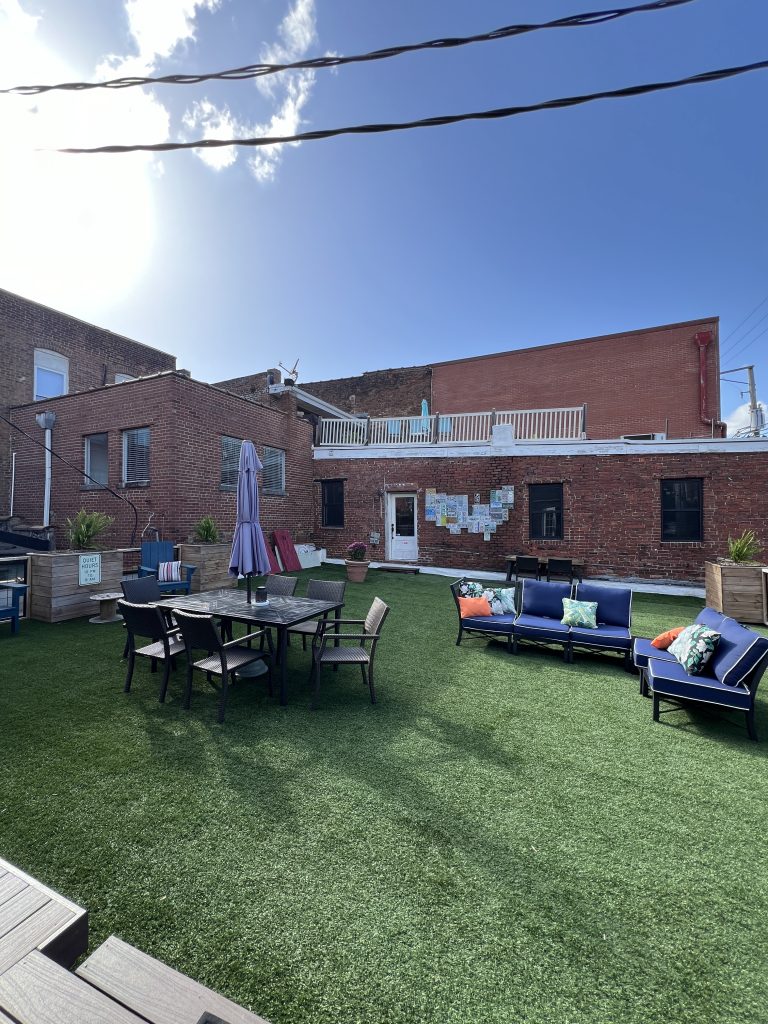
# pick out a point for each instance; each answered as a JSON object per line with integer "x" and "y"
{"x": 499, "y": 839}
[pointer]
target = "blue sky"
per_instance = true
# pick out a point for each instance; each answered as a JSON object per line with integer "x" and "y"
{"x": 360, "y": 253}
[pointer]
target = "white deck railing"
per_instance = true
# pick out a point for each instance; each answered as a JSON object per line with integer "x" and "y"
{"x": 455, "y": 428}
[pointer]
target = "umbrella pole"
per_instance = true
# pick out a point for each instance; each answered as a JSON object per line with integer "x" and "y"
{"x": 248, "y": 586}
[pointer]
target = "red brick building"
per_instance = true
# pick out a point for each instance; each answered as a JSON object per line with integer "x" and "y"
{"x": 45, "y": 353}
{"x": 170, "y": 446}
{"x": 654, "y": 510}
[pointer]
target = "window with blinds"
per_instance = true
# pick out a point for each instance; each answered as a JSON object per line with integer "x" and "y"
{"x": 230, "y": 459}
{"x": 136, "y": 456}
{"x": 95, "y": 461}
{"x": 274, "y": 471}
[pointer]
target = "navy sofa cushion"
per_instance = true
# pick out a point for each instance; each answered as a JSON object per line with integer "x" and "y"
{"x": 644, "y": 650}
{"x": 670, "y": 679}
{"x": 615, "y": 638}
{"x": 489, "y": 623}
{"x": 737, "y": 653}
{"x": 714, "y": 620}
{"x": 541, "y": 627}
{"x": 544, "y": 600}
{"x": 614, "y": 604}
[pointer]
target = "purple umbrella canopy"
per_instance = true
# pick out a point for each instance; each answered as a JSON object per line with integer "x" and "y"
{"x": 249, "y": 551}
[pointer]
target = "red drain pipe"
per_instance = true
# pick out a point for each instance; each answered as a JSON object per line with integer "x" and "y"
{"x": 703, "y": 339}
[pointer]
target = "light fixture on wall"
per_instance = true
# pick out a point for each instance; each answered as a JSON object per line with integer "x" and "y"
{"x": 46, "y": 422}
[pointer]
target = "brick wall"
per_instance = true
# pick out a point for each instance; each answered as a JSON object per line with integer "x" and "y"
{"x": 611, "y": 515}
{"x": 95, "y": 355}
{"x": 186, "y": 419}
{"x": 397, "y": 392}
{"x": 632, "y": 383}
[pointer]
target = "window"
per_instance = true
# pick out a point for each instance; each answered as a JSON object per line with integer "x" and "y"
{"x": 51, "y": 374}
{"x": 274, "y": 470}
{"x": 121, "y": 377}
{"x": 136, "y": 456}
{"x": 545, "y": 509}
{"x": 332, "y": 502}
{"x": 230, "y": 459}
{"x": 95, "y": 462}
{"x": 681, "y": 509}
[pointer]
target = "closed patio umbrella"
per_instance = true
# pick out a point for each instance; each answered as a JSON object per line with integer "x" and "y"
{"x": 249, "y": 552}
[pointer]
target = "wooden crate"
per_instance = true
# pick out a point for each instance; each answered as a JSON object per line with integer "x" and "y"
{"x": 736, "y": 590}
{"x": 55, "y": 584}
{"x": 212, "y": 561}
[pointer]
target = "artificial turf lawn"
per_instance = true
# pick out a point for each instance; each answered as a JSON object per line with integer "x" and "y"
{"x": 500, "y": 839}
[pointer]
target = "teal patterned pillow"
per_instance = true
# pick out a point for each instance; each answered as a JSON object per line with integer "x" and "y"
{"x": 468, "y": 589}
{"x": 694, "y": 647}
{"x": 501, "y": 600}
{"x": 579, "y": 613}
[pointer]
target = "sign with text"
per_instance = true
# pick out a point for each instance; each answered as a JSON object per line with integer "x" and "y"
{"x": 90, "y": 569}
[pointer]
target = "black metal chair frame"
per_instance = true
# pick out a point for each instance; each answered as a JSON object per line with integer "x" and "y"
{"x": 327, "y": 632}
{"x": 562, "y": 569}
{"x": 318, "y": 590}
{"x": 200, "y": 633}
{"x": 527, "y": 567}
{"x": 144, "y": 590}
{"x": 148, "y": 621}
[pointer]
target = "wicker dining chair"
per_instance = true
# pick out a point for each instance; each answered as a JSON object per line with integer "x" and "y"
{"x": 562, "y": 569}
{"x": 527, "y": 567}
{"x": 281, "y": 586}
{"x": 147, "y": 621}
{"x": 325, "y": 651}
{"x": 319, "y": 590}
{"x": 145, "y": 590}
{"x": 223, "y": 659}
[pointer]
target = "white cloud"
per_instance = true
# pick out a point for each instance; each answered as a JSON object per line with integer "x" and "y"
{"x": 208, "y": 121}
{"x": 739, "y": 420}
{"x": 159, "y": 26}
{"x": 287, "y": 120}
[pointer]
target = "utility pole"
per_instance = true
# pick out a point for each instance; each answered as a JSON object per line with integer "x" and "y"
{"x": 755, "y": 412}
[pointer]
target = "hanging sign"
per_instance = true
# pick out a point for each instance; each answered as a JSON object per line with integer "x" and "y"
{"x": 89, "y": 569}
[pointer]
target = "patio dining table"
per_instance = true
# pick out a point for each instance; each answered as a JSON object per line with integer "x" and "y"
{"x": 279, "y": 613}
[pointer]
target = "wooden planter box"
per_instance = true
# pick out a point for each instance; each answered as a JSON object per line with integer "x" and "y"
{"x": 736, "y": 590}
{"x": 212, "y": 561}
{"x": 56, "y": 594}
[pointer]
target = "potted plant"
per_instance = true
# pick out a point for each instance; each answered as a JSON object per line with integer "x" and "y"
{"x": 206, "y": 531}
{"x": 357, "y": 565}
{"x": 734, "y": 585}
{"x": 85, "y": 527}
{"x": 208, "y": 551}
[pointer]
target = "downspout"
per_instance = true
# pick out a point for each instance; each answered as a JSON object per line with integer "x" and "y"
{"x": 703, "y": 339}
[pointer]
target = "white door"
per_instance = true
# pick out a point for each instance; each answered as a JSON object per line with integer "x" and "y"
{"x": 403, "y": 545}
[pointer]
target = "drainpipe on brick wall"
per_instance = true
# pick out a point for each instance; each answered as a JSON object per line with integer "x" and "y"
{"x": 703, "y": 339}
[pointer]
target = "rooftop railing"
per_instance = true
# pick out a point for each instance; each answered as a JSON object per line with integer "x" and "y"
{"x": 456, "y": 428}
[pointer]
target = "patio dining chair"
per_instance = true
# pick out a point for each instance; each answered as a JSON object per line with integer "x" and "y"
{"x": 148, "y": 622}
{"x": 527, "y": 567}
{"x": 562, "y": 569}
{"x": 223, "y": 659}
{"x": 318, "y": 590}
{"x": 281, "y": 586}
{"x": 144, "y": 590}
{"x": 325, "y": 651}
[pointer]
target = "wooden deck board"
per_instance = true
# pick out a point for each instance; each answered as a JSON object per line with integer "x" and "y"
{"x": 38, "y": 991}
{"x": 32, "y": 933}
{"x": 154, "y": 990}
{"x": 10, "y": 885}
{"x": 20, "y": 907}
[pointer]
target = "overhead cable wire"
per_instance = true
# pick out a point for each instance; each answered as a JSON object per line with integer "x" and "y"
{"x": 738, "y": 328}
{"x": 431, "y": 122}
{"x": 316, "y": 63}
{"x": 736, "y": 344}
{"x": 741, "y": 349}
{"x": 80, "y": 471}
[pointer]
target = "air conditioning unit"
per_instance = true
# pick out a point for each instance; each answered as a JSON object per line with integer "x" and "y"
{"x": 644, "y": 437}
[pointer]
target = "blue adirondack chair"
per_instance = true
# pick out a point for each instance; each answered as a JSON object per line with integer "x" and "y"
{"x": 156, "y": 551}
{"x": 11, "y": 611}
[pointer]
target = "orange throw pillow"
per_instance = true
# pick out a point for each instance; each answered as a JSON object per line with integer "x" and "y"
{"x": 476, "y": 606}
{"x": 663, "y": 640}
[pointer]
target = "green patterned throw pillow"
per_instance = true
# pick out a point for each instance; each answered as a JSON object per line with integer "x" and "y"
{"x": 501, "y": 600}
{"x": 694, "y": 647}
{"x": 579, "y": 613}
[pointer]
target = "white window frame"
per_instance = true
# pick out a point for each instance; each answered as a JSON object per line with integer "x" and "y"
{"x": 87, "y": 466}
{"x": 143, "y": 481}
{"x": 53, "y": 362}
{"x": 269, "y": 489}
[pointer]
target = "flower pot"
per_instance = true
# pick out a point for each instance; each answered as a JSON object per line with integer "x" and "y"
{"x": 736, "y": 590}
{"x": 356, "y": 571}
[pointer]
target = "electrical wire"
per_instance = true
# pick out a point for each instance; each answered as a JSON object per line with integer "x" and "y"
{"x": 316, "y": 63}
{"x": 741, "y": 349}
{"x": 739, "y": 326}
{"x": 431, "y": 122}
{"x": 735, "y": 344}
{"x": 80, "y": 471}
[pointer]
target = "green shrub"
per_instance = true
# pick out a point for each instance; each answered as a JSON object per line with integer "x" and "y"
{"x": 745, "y": 548}
{"x": 206, "y": 531}
{"x": 85, "y": 527}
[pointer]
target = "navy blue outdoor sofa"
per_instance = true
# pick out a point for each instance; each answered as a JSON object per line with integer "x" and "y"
{"x": 540, "y": 610}
{"x": 730, "y": 678}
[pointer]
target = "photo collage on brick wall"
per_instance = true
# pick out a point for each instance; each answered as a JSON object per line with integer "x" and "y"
{"x": 452, "y": 510}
